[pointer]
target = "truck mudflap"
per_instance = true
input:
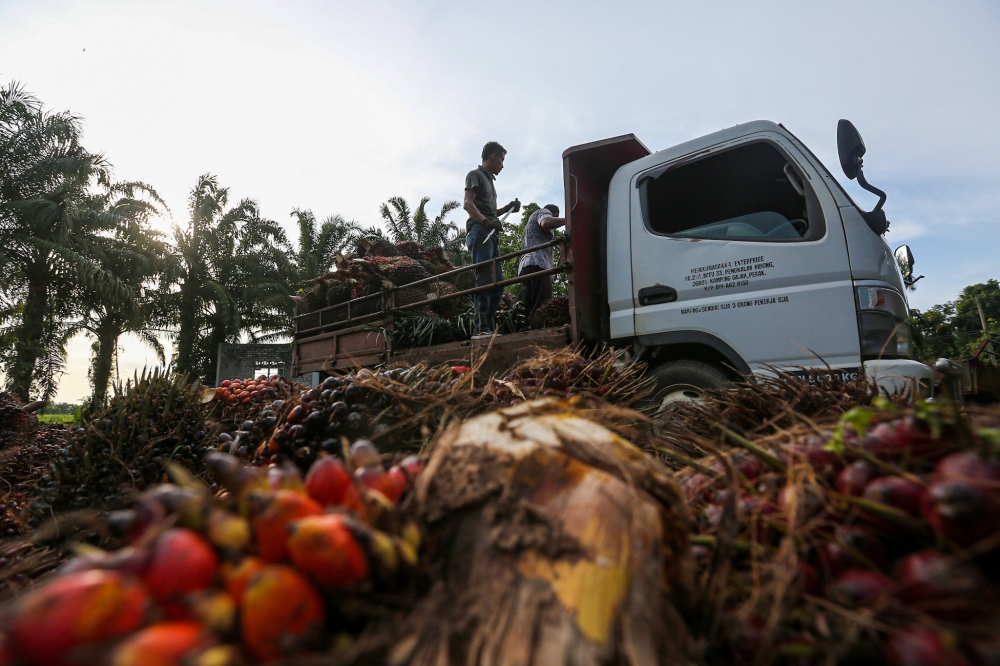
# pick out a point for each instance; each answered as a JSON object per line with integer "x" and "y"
{"x": 899, "y": 375}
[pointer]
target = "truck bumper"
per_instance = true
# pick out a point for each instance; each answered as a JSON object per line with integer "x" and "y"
{"x": 901, "y": 375}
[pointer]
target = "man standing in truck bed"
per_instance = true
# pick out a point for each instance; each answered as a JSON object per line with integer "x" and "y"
{"x": 481, "y": 205}
{"x": 539, "y": 230}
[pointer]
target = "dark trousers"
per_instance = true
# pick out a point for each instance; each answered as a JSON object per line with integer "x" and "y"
{"x": 485, "y": 302}
{"x": 536, "y": 292}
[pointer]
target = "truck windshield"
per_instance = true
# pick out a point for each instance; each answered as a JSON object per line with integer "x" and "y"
{"x": 744, "y": 193}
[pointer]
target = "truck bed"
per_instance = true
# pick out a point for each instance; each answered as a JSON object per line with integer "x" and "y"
{"x": 351, "y": 334}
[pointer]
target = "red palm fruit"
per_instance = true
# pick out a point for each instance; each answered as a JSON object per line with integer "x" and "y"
{"x": 376, "y": 478}
{"x": 272, "y": 514}
{"x": 297, "y": 414}
{"x": 280, "y": 613}
{"x": 697, "y": 487}
{"x": 326, "y": 549}
{"x": 971, "y": 467}
{"x": 183, "y": 562}
{"x": 940, "y": 586}
{"x": 236, "y": 575}
{"x": 412, "y": 466}
{"x": 164, "y": 644}
{"x": 883, "y": 441}
{"x": 330, "y": 484}
{"x": 922, "y": 647}
{"x": 915, "y": 435}
{"x": 397, "y": 483}
{"x": 73, "y": 611}
{"x": 225, "y": 383}
{"x": 854, "y": 547}
{"x": 894, "y": 491}
{"x": 854, "y": 478}
{"x": 857, "y": 587}
{"x": 961, "y": 512}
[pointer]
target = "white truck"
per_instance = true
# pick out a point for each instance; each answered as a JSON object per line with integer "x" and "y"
{"x": 728, "y": 255}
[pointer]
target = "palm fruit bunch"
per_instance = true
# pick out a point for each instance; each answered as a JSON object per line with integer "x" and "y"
{"x": 567, "y": 372}
{"x": 874, "y": 541}
{"x": 270, "y": 566}
{"x": 154, "y": 419}
{"x": 394, "y": 407}
{"x": 22, "y": 470}
{"x": 554, "y": 312}
{"x": 14, "y": 420}
{"x": 245, "y": 399}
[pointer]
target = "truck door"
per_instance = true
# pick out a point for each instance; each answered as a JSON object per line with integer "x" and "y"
{"x": 742, "y": 242}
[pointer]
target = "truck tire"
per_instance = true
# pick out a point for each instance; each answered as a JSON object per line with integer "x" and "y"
{"x": 685, "y": 381}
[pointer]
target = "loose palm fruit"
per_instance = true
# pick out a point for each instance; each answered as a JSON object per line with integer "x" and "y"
{"x": 280, "y": 613}
{"x": 272, "y": 516}
{"x": 330, "y": 484}
{"x": 214, "y": 609}
{"x": 227, "y": 530}
{"x": 236, "y": 575}
{"x": 943, "y": 587}
{"x": 364, "y": 454}
{"x": 397, "y": 483}
{"x": 412, "y": 466}
{"x": 326, "y": 549}
{"x": 857, "y": 587}
{"x": 182, "y": 563}
{"x": 923, "y": 647}
{"x": 854, "y": 478}
{"x": 961, "y": 512}
{"x": 73, "y": 611}
{"x": 165, "y": 644}
{"x": 377, "y": 479}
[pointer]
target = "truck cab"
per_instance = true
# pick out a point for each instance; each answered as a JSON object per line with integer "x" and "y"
{"x": 736, "y": 253}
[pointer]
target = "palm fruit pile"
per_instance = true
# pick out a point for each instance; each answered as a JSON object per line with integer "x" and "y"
{"x": 22, "y": 470}
{"x": 269, "y": 566}
{"x": 154, "y": 419}
{"x": 245, "y": 399}
{"x": 566, "y": 373}
{"x": 534, "y": 536}
{"x": 874, "y": 541}
{"x": 376, "y": 265}
{"x": 397, "y": 408}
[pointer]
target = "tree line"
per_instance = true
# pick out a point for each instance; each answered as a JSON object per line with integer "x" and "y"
{"x": 959, "y": 328}
{"x": 79, "y": 255}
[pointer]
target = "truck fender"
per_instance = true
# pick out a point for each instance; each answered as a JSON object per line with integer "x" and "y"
{"x": 657, "y": 347}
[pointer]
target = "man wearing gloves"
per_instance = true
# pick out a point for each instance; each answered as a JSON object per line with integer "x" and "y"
{"x": 481, "y": 205}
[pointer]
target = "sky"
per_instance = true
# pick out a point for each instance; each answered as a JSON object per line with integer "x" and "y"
{"x": 337, "y": 106}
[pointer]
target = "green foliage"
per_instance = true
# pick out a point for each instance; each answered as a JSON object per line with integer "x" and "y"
{"x": 954, "y": 329}
{"x": 403, "y": 225}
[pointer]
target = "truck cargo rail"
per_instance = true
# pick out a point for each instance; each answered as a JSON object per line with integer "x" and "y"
{"x": 461, "y": 283}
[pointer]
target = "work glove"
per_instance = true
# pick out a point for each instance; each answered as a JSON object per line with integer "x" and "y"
{"x": 492, "y": 223}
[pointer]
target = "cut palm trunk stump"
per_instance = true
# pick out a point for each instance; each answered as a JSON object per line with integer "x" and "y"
{"x": 557, "y": 542}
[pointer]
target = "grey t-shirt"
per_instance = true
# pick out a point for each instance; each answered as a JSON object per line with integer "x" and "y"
{"x": 481, "y": 182}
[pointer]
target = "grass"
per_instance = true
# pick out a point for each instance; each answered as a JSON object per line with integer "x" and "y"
{"x": 56, "y": 418}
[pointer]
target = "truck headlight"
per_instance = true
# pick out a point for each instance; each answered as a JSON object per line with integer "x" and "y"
{"x": 883, "y": 322}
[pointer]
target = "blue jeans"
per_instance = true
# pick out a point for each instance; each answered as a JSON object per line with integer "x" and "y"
{"x": 487, "y": 301}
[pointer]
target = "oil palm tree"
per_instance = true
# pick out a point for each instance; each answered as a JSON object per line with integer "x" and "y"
{"x": 229, "y": 268}
{"x": 136, "y": 261}
{"x": 50, "y": 240}
{"x": 402, "y": 225}
{"x": 319, "y": 244}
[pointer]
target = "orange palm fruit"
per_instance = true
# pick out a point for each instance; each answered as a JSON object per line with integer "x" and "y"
{"x": 236, "y": 575}
{"x": 325, "y": 548}
{"x": 73, "y": 611}
{"x": 280, "y": 613}
{"x": 272, "y": 516}
{"x": 213, "y": 609}
{"x": 164, "y": 644}
{"x": 183, "y": 562}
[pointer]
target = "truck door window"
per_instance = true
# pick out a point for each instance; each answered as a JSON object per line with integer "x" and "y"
{"x": 753, "y": 192}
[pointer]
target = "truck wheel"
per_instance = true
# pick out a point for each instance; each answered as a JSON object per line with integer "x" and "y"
{"x": 680, "y": 382}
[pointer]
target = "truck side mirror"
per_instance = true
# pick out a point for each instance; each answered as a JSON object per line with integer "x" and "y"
{"x": 851, "y": 148}
{"x": 904, "y": 257}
